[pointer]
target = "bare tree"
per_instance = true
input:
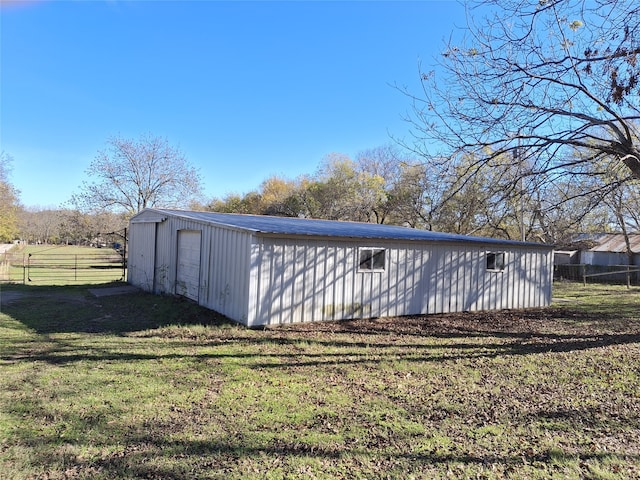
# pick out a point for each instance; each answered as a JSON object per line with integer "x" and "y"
{"x": 136, "y": 174}
{"x": 548, "y": 88}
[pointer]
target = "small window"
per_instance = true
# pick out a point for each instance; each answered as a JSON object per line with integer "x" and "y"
{"x": 495, "y": 261}
{"x": 372, "y": 259}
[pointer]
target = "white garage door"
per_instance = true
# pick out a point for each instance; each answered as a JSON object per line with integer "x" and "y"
{"x": 188, "y": 270}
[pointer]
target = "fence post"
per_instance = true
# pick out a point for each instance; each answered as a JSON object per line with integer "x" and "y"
{"x": 584, "y": 274}
{"x": 628, "y": 277}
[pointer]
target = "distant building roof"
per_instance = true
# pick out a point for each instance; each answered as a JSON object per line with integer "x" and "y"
{"x": 331, "y": 228}
{"x": 615, "y": 243}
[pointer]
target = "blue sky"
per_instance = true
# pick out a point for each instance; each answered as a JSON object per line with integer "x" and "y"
{"x": 245, "y": 89}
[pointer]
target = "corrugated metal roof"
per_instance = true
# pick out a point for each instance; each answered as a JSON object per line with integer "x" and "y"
{"x": 329, "y": 228}
{"x": 614, "y": 242}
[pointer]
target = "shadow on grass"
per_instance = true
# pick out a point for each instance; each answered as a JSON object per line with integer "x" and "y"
{"x": 73, "y": 309}
{"x": 156, "y": 456}
{"x": 50, "y": 310}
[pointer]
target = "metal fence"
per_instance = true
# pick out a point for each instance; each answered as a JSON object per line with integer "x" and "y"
{"x": 60, "y": 269}
{"x": 620, "y": 274}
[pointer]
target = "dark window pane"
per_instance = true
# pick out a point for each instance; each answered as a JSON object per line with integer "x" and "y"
{"x": 365, "y": 259}
{"x": 378, "y": 260}
{"x": 495, "y": 261}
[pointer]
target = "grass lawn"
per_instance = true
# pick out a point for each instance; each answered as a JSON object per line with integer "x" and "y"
{"x": 138, "y": 386}
{"x": 60, "y": 265}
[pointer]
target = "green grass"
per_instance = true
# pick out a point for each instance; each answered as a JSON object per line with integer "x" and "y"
{"x": 139, "y": 386}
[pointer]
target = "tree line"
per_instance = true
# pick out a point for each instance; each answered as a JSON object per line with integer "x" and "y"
{"x": 382, "y": 185}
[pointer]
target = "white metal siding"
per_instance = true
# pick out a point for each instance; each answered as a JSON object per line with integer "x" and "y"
{"x": 259, "y": 279}
{"x": 141, "y": 258}
{"x": 313, "y": 280}
{"x": 188, "y": 264}
{"x": 224, "y": 265}
{"x": 228, "y": 267}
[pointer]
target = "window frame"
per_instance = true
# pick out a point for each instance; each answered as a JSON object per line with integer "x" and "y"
{"x": 374, "y": 266}
{"x": 499, "y": 262}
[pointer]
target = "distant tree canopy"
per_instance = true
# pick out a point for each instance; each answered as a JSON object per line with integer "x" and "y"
{"x": 535, "y": 93}
{"x": 9, "y": 203}
{"x": 131, "y": 175}
{"x": 380, "y": 186}
{"x": 64, "y": 226}
{"x": 383, "y": 186}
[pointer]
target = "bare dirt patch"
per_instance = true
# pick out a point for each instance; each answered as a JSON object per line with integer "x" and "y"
{"x": 520, "y": 322}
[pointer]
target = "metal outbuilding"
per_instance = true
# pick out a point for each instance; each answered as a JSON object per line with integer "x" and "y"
{"x": 611, "y": 249}
{"x": 260, "y": 270}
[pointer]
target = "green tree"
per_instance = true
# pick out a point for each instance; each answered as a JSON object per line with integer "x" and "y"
{"x": 9, "y": 202}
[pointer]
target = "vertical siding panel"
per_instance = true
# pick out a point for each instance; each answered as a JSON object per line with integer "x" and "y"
{"x": 535, "y": 280}
{"x": 253, "y": 311}
{"x": 351, "y": 265}
{"x": 340, "y": 271}
{"x": 394, "y": 281}
{"x": 515, "y": 279}
{"x": 507, "y": 281}
{"x": 520, "y": 279}
{"x": 403, "y": 296}
{"x": 523, "y": 283}
{"x": 441, "y": 290}
{"x": 350, "y": 288}
{"x": 427, "y": 278}
{"x": 414, "y": 280}
{"x": 319, "y": 293}
{"x": 470, "y": 274}
{"x": 463, "y": 279}
{"x": 454, "y": 270}
{"x": 279, "y": 291}
{"x": 300, "y": 283}
{"x": 333, "y": 274}
{"x": 142, "y": 255}
{"x": 286, "y": 296}
{"x": 389, "y": 285}
{"x": 478, "y": 279}
{"x": 358, "y": 282}
{"x": 458, "y": 288}
{"x": 543, "y": 279}
{"x": 459, "y": 282}
{"x": 411, "y": 294}
{"x": 500, "y": 285}
{"x": 309, "y": 282}
{"x": 445, "y": 278}
{"x": 321, "y": 290}
{"x": 407, "y": 289}
{"x": 267, "y": 283}
{"x": 328, "y": 274}
{"x": 451, "y": 304}
{"x": 530, "y": 282}
{"x": 537, "y": 275}
{"x": 434, "y": 276}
